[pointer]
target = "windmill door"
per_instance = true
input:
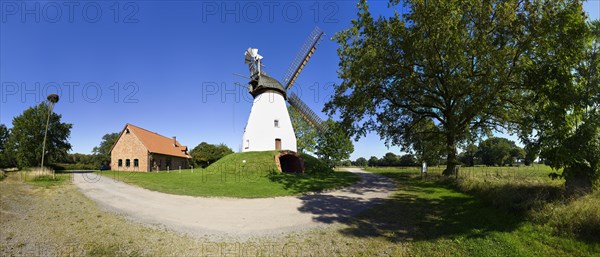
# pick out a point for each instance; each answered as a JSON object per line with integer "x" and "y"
{"x": 277, "y": 144}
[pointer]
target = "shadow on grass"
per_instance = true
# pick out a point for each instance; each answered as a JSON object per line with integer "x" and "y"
{"x": 420, "y": 211}
{"x": 313, "y": 182}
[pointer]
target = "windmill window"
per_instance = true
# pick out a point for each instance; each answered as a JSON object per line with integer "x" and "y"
{"x": 127, "y": 163}
{"x": 136, "y": 163}
{"x": 276, "y": 123}
{"x": 120, "y": 163}
{"x": 247, "y": 144}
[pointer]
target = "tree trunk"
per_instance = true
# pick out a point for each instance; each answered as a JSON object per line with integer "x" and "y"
{"x": 451, "y": 160}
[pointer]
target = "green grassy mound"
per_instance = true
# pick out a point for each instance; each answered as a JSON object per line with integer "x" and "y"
{"x": 232, "y": 177}
{"x": 248, "y": 162}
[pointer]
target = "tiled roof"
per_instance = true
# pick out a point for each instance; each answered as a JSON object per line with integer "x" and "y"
{"x": 156, "y": 143}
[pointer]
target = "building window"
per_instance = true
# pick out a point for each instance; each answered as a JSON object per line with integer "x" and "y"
{"x": 136, "y": 163}
{"x": 127, "y": 163}
{"x": 276, "y": 123}
{"x": 247, "y": 144}
{"x": 120, "y": 163}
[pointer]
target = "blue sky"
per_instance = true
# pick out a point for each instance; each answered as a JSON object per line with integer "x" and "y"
{"x": 166, "y": 66}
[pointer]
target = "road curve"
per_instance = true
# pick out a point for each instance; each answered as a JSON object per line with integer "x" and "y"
{"x": 235, "y": 217}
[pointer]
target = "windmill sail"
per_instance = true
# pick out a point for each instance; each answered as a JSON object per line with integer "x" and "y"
{"x": 309, "y": 47}
{"x": 311, "y": 117}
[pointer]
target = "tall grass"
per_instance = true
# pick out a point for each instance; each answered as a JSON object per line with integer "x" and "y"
{"x": 576, "y": 217}
{"x": 44, "y": 177}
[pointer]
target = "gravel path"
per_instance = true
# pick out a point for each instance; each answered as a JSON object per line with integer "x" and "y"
{"x": 233, "y": 217}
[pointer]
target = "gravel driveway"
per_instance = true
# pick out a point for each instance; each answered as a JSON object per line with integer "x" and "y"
{"x": 233, "y": 217}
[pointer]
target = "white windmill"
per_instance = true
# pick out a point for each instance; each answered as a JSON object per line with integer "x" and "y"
{"x": 269, "y": 126}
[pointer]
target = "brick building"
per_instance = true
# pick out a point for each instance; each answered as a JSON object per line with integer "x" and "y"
{"x": 138, "y": 149}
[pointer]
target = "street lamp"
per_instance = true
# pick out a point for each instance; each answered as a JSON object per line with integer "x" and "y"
{"x": 52, "y": 99}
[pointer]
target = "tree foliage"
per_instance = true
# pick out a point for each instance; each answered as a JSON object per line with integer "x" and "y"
{"x": 4, "y": 156}
{"x": 27, "y": 134}
{"x": 407, "y": 160}
{"x": 205, "y": 154}
{"x": 563, "y": 76}
{"x": 102, "y": 152}
{"x": 361, "y": 162}
{"x": 333, "y": 145}
{"x": 306, "y": 135}
{"x": 469, "y": 156}
{"x": 373, "y": 161}
{"x": 425, "y": 139}
{"x": 497, "y": 151}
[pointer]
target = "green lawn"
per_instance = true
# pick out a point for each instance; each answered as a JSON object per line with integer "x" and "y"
{"x": 438, "y": 220}
{"x": 231, "y": 177}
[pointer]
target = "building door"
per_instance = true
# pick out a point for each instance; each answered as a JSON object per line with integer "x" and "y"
{"x": 277, "y": 144}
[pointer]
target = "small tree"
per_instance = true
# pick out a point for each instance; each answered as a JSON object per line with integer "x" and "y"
{"x": 498, "y": 151}
{"x": 27, "y": 134}
{"x": 102, "y": 152}
{"x": 373, "y": 161}
{"x": 4, "y": 155}
{"x": 361, "y": 162}
{"x": 333, "y": 145}
{"x": 204, "y": 154}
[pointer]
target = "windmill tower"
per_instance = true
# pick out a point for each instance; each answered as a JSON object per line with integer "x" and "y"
{"x": 269, "y": 126}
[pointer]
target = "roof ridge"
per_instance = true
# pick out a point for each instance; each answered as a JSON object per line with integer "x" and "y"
{"x": 148, "y": 130}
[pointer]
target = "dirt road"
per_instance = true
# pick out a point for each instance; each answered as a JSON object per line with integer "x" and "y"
{"x": 232, "y": 217}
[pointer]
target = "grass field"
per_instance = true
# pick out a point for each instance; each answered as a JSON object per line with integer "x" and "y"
{"x": 481, "y": 214}
{"x": 231, "y": 177}
{"x": 425, "y": 217}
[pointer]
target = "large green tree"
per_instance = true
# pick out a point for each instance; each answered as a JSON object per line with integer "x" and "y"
{"x": 456, "y": 62}
{"x": 102, "y": 152}
{"x": 333, "y": 144}
{"x": 27, "y": 134}
{"x": 205, "y": 154}
{"x": 563, "y": 76}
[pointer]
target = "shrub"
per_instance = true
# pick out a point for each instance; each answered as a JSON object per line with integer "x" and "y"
{"x": 312, "y": 164}
{"x": 74, "y": 166}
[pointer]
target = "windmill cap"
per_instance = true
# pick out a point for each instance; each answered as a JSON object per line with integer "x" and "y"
{"x": 266, "y": 83}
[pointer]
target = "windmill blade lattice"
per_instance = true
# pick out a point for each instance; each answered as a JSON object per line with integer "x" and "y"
{"x": 309, "y": 47}
{"x": 311, "y": 117}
